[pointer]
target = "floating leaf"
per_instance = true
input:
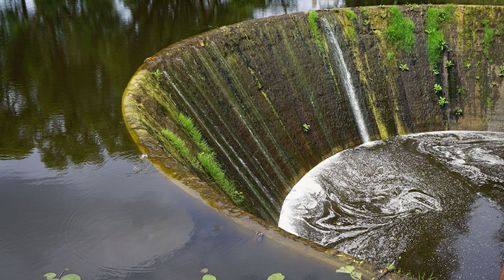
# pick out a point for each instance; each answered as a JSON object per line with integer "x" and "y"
{"x": 208, "y": 277}
{"x": 346, "y": 269}
{"x": 71, "y": 277}
{"x": 276, "y": 276}
{"x": 50, "y": 275}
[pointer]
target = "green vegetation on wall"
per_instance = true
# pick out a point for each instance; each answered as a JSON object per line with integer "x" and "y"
{"x": 213, "y": 168}
{"x": 401, "y": 31}
{"x": 348, "y": 26}
{"x": 205, "y": 156}
{"x": 488, "y": 36}
{"x": 436, "y": 44}
{"x": 193, "y": 132}
{"x": 179, "y": 145}
{"x": 313, "y": 22}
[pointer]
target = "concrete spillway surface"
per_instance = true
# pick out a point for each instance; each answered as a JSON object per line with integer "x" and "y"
{"x": 434, "y": 202}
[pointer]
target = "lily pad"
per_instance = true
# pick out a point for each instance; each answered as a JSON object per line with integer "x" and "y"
{"x": 208, "y": 277}
{"x": 276, "y": 276}
{"x": 71, "y": 277}
{"x": 50, "y": 275}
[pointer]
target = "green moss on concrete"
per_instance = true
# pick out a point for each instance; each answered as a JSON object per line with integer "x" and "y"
{"x": 350, "y": 15}
{"x": 488, "y": 36}
{"x": 401, "y": 31}
{"x": 349, "y": 21}
{"x": 315, "y": 31}
{"x": 436, "y": 18}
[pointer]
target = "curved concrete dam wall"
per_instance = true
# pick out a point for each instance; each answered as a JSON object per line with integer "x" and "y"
{"x": 243, "y": 112}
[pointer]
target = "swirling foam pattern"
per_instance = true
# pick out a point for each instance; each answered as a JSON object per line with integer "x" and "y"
{"x": 384, "y": 199}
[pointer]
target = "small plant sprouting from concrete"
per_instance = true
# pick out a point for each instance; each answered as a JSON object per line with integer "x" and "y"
{"x": 459, "y": 112}
{"x": 401, "y": 31}
{"x": 442, "y": 101}
{"x": 157, "y": 74}
{"x": 438, "y": 88}
{"x": 403, "y": 67}
{"x": 501, "y": 71}
{"x": 449, "y": 64}
{"x": 306, "y": 127}
{"x": 435, "y": 71}
{"x": 313, "y": 22}
{"x": 436, "y": 44}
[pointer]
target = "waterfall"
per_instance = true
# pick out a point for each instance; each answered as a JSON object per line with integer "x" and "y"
{"x": 347, "y": 81}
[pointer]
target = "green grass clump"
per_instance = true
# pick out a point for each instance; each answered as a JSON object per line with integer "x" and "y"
{"x": 313, "y": 22}
{"x": 205, "y": 157}
{"x": 213, "y": 168}
{"x": 179, "y": 145}
{"x": 436, "y": 44}
{"x": 488, "y": 36}
{"x": 401, "y": 31}
{"x": 187, "y": 124}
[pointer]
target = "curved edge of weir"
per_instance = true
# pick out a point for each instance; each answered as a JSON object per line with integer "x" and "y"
{"x": 401, "y": 103}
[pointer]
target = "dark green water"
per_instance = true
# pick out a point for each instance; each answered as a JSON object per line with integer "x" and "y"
{"x": 73, "y": 191}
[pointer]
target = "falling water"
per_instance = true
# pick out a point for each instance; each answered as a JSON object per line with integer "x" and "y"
{"x": 347, "y": 81}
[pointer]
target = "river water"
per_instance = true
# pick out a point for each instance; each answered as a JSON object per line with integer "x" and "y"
{"x": 432, "y": 203}
{"x": 74, "y": 192}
